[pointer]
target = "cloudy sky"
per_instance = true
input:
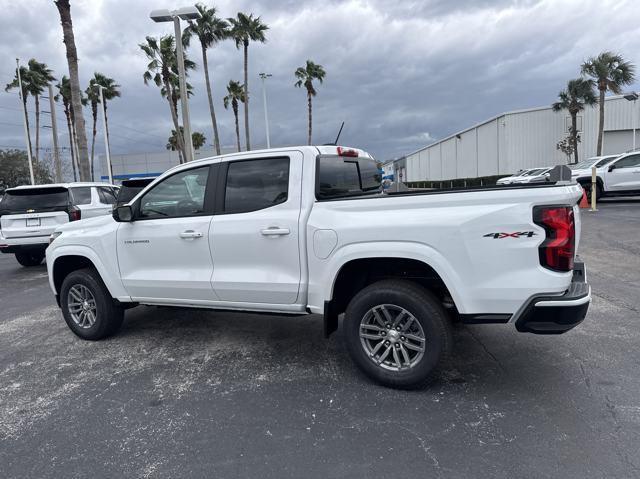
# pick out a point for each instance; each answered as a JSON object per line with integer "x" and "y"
{"x": 400, "y": 73}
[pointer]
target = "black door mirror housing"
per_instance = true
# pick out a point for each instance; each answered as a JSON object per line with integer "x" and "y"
{"x": 123, "y": 214}
{"x": 611, "y": 168}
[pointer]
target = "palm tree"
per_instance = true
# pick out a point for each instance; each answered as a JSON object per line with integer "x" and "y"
{"x": 40, "y": 77}
{"x": 246, "y": 28}
{"x": 64, "y": 9}
{"x": 64, "y": 93}
{"x": 574, "y": 98}
{"x": 611, "y": 72}
{"x": 163, "y": 71}
{"x": 236, "y": 93}
{"x": 210, "y": 29}
{"x": 109, "y": 92}
{"x": 305, "y": 76}
{"x": 197, "y": 138}
{"x": 25, "y": 77}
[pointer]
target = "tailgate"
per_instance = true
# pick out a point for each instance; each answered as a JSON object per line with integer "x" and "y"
{"x": 28, "y": 225}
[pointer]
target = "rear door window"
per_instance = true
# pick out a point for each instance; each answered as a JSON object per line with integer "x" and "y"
{"x": 254, "y": 185}
{"x": 81, "y": 195}
{"x": 34, "y": 200}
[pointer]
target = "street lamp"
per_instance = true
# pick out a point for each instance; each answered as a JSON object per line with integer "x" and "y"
{"x": 185, "y": 13}
{"x": 633, "y": 96}
{"x": 104, "y": 129}
{"x": 264, "y": 76}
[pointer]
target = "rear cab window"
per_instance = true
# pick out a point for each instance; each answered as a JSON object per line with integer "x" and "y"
{"x": 34, "y": 200}
{"x": 340, "y": 177}
{"x": 80, "y": 195}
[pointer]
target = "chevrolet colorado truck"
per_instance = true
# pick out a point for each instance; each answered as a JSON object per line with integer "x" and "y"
{"x": 306, "y": 230}
{"x": 616, "y": 175}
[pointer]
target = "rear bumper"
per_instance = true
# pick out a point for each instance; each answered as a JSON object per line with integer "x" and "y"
{"x": 558, "y": 314}
{"x": 17, "y": 245}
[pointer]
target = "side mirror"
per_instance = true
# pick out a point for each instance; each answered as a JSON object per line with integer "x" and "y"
{"x": 123, "y": 214}
{"x": 611, "y": 168}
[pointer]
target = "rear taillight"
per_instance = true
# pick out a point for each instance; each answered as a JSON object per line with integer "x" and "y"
{"x": 74, "y": 213}
{"x": 558, "y": 249}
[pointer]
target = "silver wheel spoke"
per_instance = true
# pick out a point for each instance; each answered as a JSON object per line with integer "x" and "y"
{"x": 372, "y": 327}
{"x": 387, "y": 316}
{"x": 414, "y": 347}
{"x": 376, "y": 315}
{"x": 377, "y": 348}
{"x": 373, "y": 337}
{"x": 399, "y": 317}
{"x": 414, "y": 337}
{"x": 396, "y": 358}
{"x": 405, "y": 355}
{"x": 385, "y": 354}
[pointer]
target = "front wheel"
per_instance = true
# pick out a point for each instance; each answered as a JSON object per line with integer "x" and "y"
{"x": 87, "y": 306}
{"x": 30, "y": 258}
{"x": 587, "y": 190}
{"x": 397, "y": 333}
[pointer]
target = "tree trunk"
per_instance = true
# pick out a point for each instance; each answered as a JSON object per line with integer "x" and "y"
{"x": 601, "y": 123}
{"x": 37, "y": 99}
{"x": 310, "y": 118}
{"x": 72, "y": 59}
{"x": 246, "y": 94}
{"x": 73, "y": 160}
{"x": 94, "y": 112}
{"x": 235, "y": 114}
{"x": 214, "y": 123}
{"x": 574, "y": 135}
{"x": 174, "y": 117}
{"x": 26, "y": 116}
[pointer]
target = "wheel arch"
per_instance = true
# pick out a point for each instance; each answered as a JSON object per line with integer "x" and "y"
{"x": 417, "y": 263}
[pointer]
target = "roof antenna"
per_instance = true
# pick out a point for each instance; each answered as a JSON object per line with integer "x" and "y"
{"x": 339, "y": 132}
{"x": 335, "y": 143}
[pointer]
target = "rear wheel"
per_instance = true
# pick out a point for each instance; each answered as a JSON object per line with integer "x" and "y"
{"x": 30, "y": 258}
{"x": 587, "y": 190}
{"x": 87, "y": 306}
{"x": 397, "y": 333}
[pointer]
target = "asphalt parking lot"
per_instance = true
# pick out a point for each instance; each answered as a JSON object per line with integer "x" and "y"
{"x": 209, "y": 394}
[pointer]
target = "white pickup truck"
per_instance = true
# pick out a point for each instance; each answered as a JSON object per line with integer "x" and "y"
{"x": 305, "y": 230}
{"x": 616, "y": 175}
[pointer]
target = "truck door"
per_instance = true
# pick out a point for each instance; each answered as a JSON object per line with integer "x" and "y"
{"x": 254, "y": 235}
{"x": 625, "y": 175}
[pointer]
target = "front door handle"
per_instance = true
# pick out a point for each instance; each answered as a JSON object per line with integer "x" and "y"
{"x": 275, "y": 231}
{"x": 190, "y": 234}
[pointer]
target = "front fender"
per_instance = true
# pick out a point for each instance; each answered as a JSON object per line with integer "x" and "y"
{"x": 109, "y": 272}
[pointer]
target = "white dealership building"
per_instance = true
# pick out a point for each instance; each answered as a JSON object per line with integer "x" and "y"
{"x": 521, "y": 139}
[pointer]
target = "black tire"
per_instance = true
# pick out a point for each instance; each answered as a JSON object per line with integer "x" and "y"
{"x": 426, "y": 310}
{"x": 108, "y": 315}
{"x": 30, "y": 258}
{"x": 587, "y": 189}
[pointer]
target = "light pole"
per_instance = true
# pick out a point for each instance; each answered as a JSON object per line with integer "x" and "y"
{"x": 185, "y": 13}
{"x": 104, "y": 130}
{"x": 264, "y": 76}
{"x": 633, "y": 96}
{"x": 24, "y": 119}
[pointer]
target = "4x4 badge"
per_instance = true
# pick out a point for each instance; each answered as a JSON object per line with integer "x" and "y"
{"x": 519, "y": 234}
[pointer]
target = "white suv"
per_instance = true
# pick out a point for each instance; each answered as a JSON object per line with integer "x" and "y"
{"x": 616, "y": 175}
{"x": 29, "y": 214}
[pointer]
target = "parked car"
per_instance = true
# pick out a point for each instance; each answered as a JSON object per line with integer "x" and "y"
{"x": 537, "y": 175}
{"x": 29, "y": 214}
{"x": 616, "y": 175}
{"x": 509, "y": 179}
{"x": 130, "y": 188}
{"x": 297, "y": 230}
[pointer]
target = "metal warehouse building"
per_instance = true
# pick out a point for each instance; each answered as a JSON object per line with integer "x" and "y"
{"x": 520, "y": 139}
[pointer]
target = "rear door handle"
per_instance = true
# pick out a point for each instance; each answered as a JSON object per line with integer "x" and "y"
{"x": 190, "y": 234}
{"x": 275, "y": 231}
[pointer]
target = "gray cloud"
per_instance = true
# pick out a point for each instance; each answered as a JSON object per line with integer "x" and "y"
{"x": 400, "y": 74}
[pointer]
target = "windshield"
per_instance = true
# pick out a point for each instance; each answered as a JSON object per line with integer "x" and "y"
{"x": 33, "y": 200}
